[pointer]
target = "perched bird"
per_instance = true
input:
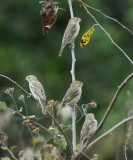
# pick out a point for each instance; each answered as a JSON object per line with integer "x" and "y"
{"x": 37, "y": 91}
{"x": 88, "y": 128}
{"x": 71, "y": 32}
{"x": 72, "y": 95}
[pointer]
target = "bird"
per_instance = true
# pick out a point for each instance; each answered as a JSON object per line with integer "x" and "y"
{"x": 88, "y": 128}
{"x": 37, "y": 91}
{"x": 71, "y": 32}
{"x": 72, "y": 95}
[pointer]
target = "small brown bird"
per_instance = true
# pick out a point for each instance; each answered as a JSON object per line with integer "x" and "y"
{"x": 49, "y": 14}
{"x": 88, "y": 128}
{"x": 37, "y": 91}
{"x": 72, "y": 95}
{"x": 71, "y": 32}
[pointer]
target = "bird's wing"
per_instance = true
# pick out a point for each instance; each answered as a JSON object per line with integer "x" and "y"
{"x": 38, "y": 89}
{"x": 72, "y": 28}
{"x": 70, "y": 95}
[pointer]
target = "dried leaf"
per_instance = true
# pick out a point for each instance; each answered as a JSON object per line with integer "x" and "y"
{"x": 26, "y": 121}
{"x": 93, "y": 104}
{"x": 20, "y": 153}
{"x": 86, "y": 37}
{"x": 49, "y": 14}
{"x": 36, "y": 130}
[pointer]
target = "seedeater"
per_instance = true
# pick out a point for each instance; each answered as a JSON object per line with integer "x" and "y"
{"x": 72, "y": 95}
{"x": 71, "y": 32}
{"x": 88, "y": 128}
{"x": 37, "y": 91}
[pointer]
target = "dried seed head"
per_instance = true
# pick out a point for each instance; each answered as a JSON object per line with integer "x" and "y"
{"x": 26, "y": 121}
{"x": 20, "y": 153}
{"x": 7, "y": 91}
{"x": 36, "y": 130}
{"x": 21, "y": 98}
{"x": 93, "y": 104}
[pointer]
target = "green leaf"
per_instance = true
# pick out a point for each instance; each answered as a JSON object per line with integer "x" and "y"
{"x": 3, "y": 105}
{"x": 19, "y": 111}
{"x": 13, "y": 147}
{"x": 33, "y": 116}
{"x": 50, "y": 158}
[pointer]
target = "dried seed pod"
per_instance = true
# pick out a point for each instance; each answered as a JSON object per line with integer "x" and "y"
{"x": 49, "y": 14}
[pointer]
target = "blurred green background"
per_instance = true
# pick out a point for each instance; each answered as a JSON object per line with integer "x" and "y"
{"x": 24, "y": 50}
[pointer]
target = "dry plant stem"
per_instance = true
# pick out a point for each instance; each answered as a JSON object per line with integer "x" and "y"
{"x": 125, "y": 148}
{"x": 107, "y": 112}
{"x": 114, "y": 100}
{"x": 73, "y": 79}
{"x": 11, "y": 153}
{"x": 31, "y": 120}
{"x": 16, "y": 85}
{"x": 61, "y": 130}
{"x": 108, "y": 17}
{"x": 31, "y": 97}
{"x": 112, "y": 41}
{"x": 103, "y": 136}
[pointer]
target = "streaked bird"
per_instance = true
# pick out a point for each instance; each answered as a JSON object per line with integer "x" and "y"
{"x": 37, "y": 91}
{"x": 72, "y": 95}
{"x": 71, "y": 32}
{"x": 88, "y": 128}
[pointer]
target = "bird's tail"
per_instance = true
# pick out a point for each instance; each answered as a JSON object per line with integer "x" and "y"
{"x": 81, "y": 144}
{"x": 60, "y": 108}
{"x": 42, "y": 105}
{"x": 58, "y": 112}
{"x": 61, "y": 50}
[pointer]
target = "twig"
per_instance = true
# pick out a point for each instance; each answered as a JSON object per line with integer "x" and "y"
{"x": 61, "y": 130}
{"x": 3, "y": 76}
{"x": 108, "y": 111}
{"x": 108, "y": 17}
{"x": 114, "y": 100}
{"x": 125, "y": 148}
{"x": 11, "y": 153}
{"x": 31, "y": 97}
{"x": 11, "y": 95}
{"x": 38, "y": 124}
{"x": 109, "y": 132}
{"x": 73, "y": 79}
{"x": 103, "y": 136}
{"x": 112, "y": 41}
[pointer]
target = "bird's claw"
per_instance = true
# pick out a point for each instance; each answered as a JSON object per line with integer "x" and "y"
{"x": 29, "y": 95}
{"x": 71, "y": 46}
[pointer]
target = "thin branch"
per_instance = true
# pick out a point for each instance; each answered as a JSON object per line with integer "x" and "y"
{"x": 114, "y": 100}
{"x": 104, "y": 136}
{"x": 109, "y": 132}
{"x": 125, "y": 147}
{"x": 31, "y": 97}
{"x": 11, "y": 153}
{"x": 108, "y": 111}
{"x": 108, "y": 17}
{"x": 73, "y": 79}
{"x": 38, "y": 124}
{"x": 61, "y": 130}
{"x": 112, "y": 41}
{"x": 3, "y": 76}
{"x": 11, "y": 95}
